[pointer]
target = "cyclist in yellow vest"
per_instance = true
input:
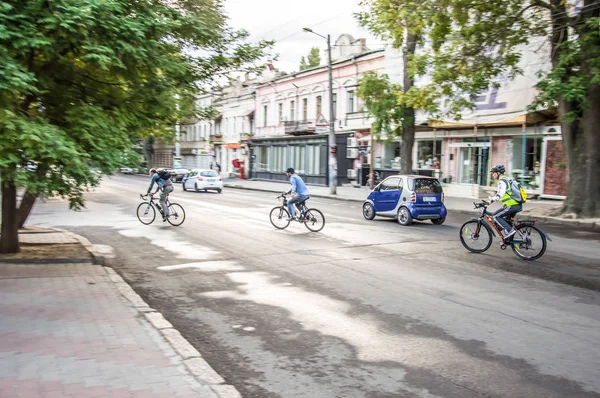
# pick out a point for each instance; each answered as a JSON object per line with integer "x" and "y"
{"x": 510, "y": 207}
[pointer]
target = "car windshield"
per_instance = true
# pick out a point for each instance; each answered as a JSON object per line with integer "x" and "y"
{"x": 427, "y": 186}
{"x": 209, "y": 173}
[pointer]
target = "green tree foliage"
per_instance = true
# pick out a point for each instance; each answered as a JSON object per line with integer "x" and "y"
{"x": 312, "y": 59}
{"x": 382, "y": 99}
{"x": 465, "y": 46}
{"x": 82, "y": 79}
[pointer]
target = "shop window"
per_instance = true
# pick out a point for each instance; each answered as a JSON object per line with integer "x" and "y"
{"x": 262, "y": 158}
{"x": 526, "y": 161}
{"x": 429, "y": 154}
{"x": 391, "y": 156}
{"x": 317, "y": 159}
{"x": 298, "y": 158}
{"x": 278, "y": 164}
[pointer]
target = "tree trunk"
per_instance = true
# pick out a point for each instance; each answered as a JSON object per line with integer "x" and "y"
{"x": 583, "y": 196}
{"x": 25, "y": 207}
{"x": 408, "y": 141}
{"x": 580, "y": 138}
{"x": 148, "y": 151}
{"x": 408, "y": 128}
{"x": 9, "y": 240}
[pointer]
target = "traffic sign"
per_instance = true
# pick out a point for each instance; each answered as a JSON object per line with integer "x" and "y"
{"x": 321, "y": 121}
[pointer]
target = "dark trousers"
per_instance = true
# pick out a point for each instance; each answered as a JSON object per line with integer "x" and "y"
{"x": 504, "y": 215}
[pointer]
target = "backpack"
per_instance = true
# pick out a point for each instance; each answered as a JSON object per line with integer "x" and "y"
{"x": 165, "y": 174}
{"x": 517, "y": 192}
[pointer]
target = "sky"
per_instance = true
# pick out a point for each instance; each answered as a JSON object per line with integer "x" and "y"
{"x": 283, "y": 20}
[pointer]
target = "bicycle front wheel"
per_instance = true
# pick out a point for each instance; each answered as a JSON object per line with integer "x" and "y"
{"x": 146, "y": 213}
{"x": 176, "y": 214}
{"x": 314, "y": 220}
{"x": 529, "y": 242}
{"x": 476, "y": 236}
{"x": 280, "y": 217}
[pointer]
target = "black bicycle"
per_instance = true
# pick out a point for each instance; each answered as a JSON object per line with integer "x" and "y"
{"x": 313, "y": 219}
{"x": 529, "y": 242}
{"x": 146, "y": 211}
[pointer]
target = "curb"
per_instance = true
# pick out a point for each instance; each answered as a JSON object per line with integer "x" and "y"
{"x": 47, "y": 261}
{"x": 97, "y": 257}
{"x": 588, "y": 225}
{"x": 191, "y": 358}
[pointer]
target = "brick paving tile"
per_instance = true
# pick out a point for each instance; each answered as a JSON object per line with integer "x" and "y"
{"x": 66, "y": 331}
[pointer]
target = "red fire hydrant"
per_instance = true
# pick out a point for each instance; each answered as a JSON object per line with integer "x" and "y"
{"x": 241, "y": 170}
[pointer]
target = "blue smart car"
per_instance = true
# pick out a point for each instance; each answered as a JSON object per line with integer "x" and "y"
{"x": 407, "y": 198}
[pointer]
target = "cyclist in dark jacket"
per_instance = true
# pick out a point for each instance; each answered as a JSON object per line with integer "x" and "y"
{"x": 165, "y": 186}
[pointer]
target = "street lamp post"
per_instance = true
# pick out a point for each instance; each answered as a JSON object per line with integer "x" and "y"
{"x": 332, "y": 144}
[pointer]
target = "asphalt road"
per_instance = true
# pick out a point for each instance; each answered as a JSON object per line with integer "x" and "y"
{"x": 361, "y": 309}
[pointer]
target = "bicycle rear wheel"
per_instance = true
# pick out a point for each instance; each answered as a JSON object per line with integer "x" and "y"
{"x": 146, "y": 213}
{"x": 176, "y": 214}
{"x": 476, "y": 236}
{"x": 529, "y": 242}
{"x": 279, "y": 217}
{"x": 314, "y": 220}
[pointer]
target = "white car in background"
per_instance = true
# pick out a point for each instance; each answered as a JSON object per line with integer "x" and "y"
{"x": 199, "y": 180}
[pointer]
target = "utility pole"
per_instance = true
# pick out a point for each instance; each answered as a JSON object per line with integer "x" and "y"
{"x": 332, "y": 143}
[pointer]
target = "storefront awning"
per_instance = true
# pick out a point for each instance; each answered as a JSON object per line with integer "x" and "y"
{"x": 513, "y": 119}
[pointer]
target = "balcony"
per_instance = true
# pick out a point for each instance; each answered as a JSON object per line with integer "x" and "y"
{"x": 297, "y": 127}
{"x": 358, "y": 120}
{"x": 216, "y": 138}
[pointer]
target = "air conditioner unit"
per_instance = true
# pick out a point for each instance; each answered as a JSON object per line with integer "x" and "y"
{"x": 352, "y": 142}
{"x": 352, "y": 153}
{"x": 352, "y": 174}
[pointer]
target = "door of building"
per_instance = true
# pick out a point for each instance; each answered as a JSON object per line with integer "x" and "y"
{"x": 474, "y": 164}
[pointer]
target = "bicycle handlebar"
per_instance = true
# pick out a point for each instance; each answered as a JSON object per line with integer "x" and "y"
{"x": 483, "y": 203}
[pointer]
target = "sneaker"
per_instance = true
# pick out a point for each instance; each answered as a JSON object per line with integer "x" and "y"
{"x": 291, "y": 219}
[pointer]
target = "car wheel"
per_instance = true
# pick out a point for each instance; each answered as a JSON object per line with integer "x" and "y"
{"x": 368, "y": 211}
{"x": 438, "y": 221}
{"x": 196, "y": 187}
{"x": 219, "y": 190}
{"x": 206, "y": 190}
{"x": 404, "y": 217}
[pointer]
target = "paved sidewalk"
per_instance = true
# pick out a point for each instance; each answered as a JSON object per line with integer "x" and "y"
{"x": 78, "y": 330}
